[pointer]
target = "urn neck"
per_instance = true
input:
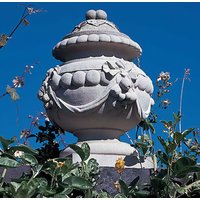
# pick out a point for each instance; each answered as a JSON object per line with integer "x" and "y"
{"x": 98, "y": 134}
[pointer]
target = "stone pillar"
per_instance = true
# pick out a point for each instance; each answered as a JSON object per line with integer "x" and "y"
{"x": 98, "y": 93}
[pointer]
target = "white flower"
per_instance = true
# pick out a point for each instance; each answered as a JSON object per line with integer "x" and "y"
{"x": 18, "y": 82}
{"x": 24, "y": 133}
{"x": 166, "y": 102}
{"x": 163, "y": 76}
{"x": 139, "y": 137}
{"x": 33, "y": 11}
{"x": 18, "y": 154}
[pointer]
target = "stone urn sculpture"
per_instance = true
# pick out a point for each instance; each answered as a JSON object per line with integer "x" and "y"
{"x": 97, "y": 93}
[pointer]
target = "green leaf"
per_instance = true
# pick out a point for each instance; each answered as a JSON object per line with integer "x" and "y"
{"x": 193, "y": 148}
{"x": 93, "y": 167}
{"x": 163, "y": 157}
{"x": 29, "y": 158}
{"x": 49, "y": 193}
{"x": 103, "y": 195}
{"x": 78, "y": 183}
{"x": 124, "y": 188}
{"x": 188, "y": 169}
{"x": 24, "y": 148}
{"x": 183, "y": 162}
{"x": 43, "y": 183}
{"x": 184, "y": 165}
{"x": 188, "y": 142}
{"x": 5, "y": 143}
{"x": 134, "y": 182}
{"x": 86, "y": 149}
{"x": 142, "y": 193}
{"x": 181, "y": 190}
{"x": 194, "y": 185}
{"x": 68, "y": 166}
{"x": 186, "y": 132}
{"x": 152, "y": 128}
{"x": 164, "y": 144}
{"x": 171, "y": 147}
{"x": 178, "y": 137}
{"x": 177, "y": 118}
{"x": 14, "y": 187}
{"x": 120, "y": 196}
{"x": 78, "y": 150}
{"x": 186, "y": 190}
{"x": 172, "y": 189}
{"x": 37, "y": 169}
{"x": 7, "y": 162}
{"x": 2, "y": 191}
{"x": 165, "y": 123}
{"x": 143, "y": 146}
{"x": 27, "y": 190}
{"x": 11, "y": 156}
{"x": 157, "y": 184}
{"x": 64, "y": 193}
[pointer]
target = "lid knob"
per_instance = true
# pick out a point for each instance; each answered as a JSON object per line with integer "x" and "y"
{"x": 99, "y": 14}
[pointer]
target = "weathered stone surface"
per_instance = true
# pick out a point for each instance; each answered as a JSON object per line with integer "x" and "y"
{"x": 66, "y": 80}
{"x": 93, "y": 77}
{"x": 103, "y": 93}
{"x": 100, "y": 14}
{"x": 91, "y": 14}
{"x": 109, "y": 176}
{"x": 14, "y": 173}
{"x": 78, "y": 79}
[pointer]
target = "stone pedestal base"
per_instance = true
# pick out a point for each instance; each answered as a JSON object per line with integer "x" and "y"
{"x": 108, "y": 176}
{"x": 106, "y": 152}
{"x": 15, "y": 173}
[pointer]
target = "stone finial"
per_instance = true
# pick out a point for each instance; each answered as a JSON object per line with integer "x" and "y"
{"x": 99, "y": 14}
{"x": 95, "y": 31}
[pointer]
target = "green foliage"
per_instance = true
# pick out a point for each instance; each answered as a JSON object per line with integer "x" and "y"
{"x": 133, "y": 189}
{"x": 5, "y": 143}
{"x": 47, "y": 137}
{"x": 50, "y": 176}
{"x": 181, "y": 168}
{"x": 83, "y": 151}
{"x": 7, "y": 162}
{"x": 147, "y": 124}
{"x": 57, "y": 177}
{"x": 179, "y": 171}
{"x": 179, "y": 175}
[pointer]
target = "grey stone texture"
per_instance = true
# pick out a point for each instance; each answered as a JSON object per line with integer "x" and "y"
{"x": 98, "y": 93}
{"x": 108, "y": 176}
{"x": 14, "y": 173}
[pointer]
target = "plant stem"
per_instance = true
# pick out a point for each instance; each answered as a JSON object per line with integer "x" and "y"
{"x": 24, "y": 15}
{"x": 4, "y": 172}
{"x": 4, "y": 94}
{"x": 181, "y": 101}
{"x": 52, "y": 179}
{"x": 3, "y": 175}
{"x": 180, "y": 108}
{"x": 136, "y": 134}
{"x": 62, "y": 140}
{"x": 33, "y": 176}
{"x": 129, "y": 137}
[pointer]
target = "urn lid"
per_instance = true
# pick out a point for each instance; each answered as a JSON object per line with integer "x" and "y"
{"x": 96, "y": 36}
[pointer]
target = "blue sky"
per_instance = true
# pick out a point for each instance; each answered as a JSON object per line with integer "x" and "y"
{"x": 167, "y": 32}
